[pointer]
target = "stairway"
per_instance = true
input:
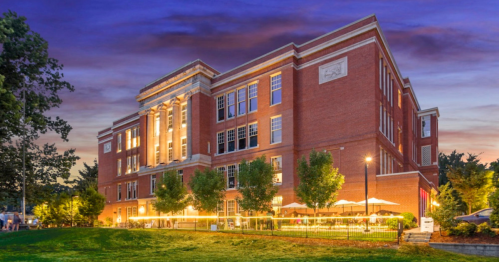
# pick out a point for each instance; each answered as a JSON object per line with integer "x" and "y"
{"x": 417, "y": 237}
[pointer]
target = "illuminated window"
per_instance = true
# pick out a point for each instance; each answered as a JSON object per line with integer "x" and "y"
{"x": 241, "y": 136}
{"x": 275, "y": 89}
{"x": 118, "y": 167}
{"x": 170, "y": 120}
{"x": 231, "y": 208}
{"x": 119, "y": 215}
{"x": 119, "y": 192}
{"x": 276, "y": 130}
{"x": 128, "y": 165}
{"x": 253, "y": 135}
{"x": 221, "y": 142}
{"x": 184, "y": 115}
{"x": 134, "y": 163}
{"x": 221, "y": 107}
{"x": 276, "y": 163}
{"x": 241, "y": 101}
{"x": 134, "y": 190}
{"x": 231, "y": 140}
{"x": 157, "y": 154}
{"x": 119, "y": 143}
{"x": 134, "y": 137}
{"x": 157, "y": 125}
{"x": 252, "y": 96}
{"x": 128, "y": 139}
{"x": 184, "y": 147}
{"x": 231, "y": 178}
{"x": 231, "y": 108}
{"x": 400, "y": 99}
{"x": 134, "y": 211}
{"x": 128, "y": 190}
{"x": 170, "y": 151}
{"x": 426, "y": 126}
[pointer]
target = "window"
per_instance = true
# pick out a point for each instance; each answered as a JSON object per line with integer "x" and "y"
{"x": 380, "y": 117}
{"x": 241, "y": 101}
{"x": 134, "y": 189}
{"x": 134, "y": 136}
{"x": 426, "y": 126}
{"x": 252, "y": 96}
{"x": 231, "y": 208}
{"x": 400, "y": 141}
{"x": 231, "y": 140}
{"x": 220, "y": 209}
{"x": 138, "y": 136}
{"x": 231, "y": 178}
{"x": 128, "y": 139}
{"x": 170, "y": 120}
{"x": 276, "y": 130}
{"x": 118, "y": 215}
{"x": 276, "y": 163}
{"x": 119, "y": 143}
{"x": 253, "y": 134}
{"x": 400, "y": 99}
{"x": 156, "y": 124}
{"x": 184, "y": 115}
{"x": 485, "y": 213}
{"x": 128, "y": 190}
{"x": 118, "y": 167}
{"x": 119, "y": 192}
{"x": 231, "y": 107}
{"x": 134, "y": 163}
{"x": 221, "y": 107}
{"x": 153, "y": 184}
{"x": 241, "y": 136}
{"x": 128, "y": 212}
{"x": 134, "y": 211}
{"x": 128, "y": 165}
{"x": 388, "y": 87}
{"x": 221, "y": 144}
{"x": 184, "y": 147}
{"x": 275, "y": 89}
{"x": 157, "y": 155}
{"x": 180, "y": 173}
{"x": 381, "y": 73}
{"x": 170, "y": 151}
{"x": 426, "y": 155}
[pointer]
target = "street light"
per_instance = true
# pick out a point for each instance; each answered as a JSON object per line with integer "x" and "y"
{"x": 368, "y": 159}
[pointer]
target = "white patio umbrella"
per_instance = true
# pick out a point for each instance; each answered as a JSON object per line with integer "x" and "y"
{"x": 345, "y": 203}
{"x": 376, "y": 202}
{"x": 295, "y": 205}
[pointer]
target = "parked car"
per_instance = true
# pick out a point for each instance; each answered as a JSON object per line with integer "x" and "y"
{"x": 478, "y": 217}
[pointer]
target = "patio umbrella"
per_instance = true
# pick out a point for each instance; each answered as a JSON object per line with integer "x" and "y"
{"x": 345, "y": 203}
{"x": 377, "y": 202}
{"x": 295, "y": 206}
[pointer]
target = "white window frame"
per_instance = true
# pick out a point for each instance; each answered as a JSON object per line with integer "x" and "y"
{"x": 220, "y": 140}
{"x": 153, "y": 184}
{"x": 231, "y": 137}
{"x": 170, "y": 151}
{"x": 157, "y": 124}
{"x": 184, "y": 147}
{"x": 169, "y": 115}
{"x": 119, "y": 143}
{"x": 128, "y": 133}
{"x": 128, "y": 164}
{"x": 118, "y": 192}
{"x": 278, "y": 171}
{"x": 231, "y": 173}
{"x": 230, "y": 103}
{"x": 118, "y": 166}
{"x": 252, "y": 134}
{"x": 241, "y": 102}
{"x": 422, "y": 127}
{"x": 277, "y": 87}
{"x": 240, "y": 136}
{"x": 183, "y": 110}
{"x": 157, "y": 154}
{"x": 275, "y": 122}
{"x": 220, "y": 104}
{"x": 252, "y": 94}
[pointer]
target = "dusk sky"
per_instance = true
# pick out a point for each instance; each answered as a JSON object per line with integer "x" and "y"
{"x": 111, "y": 49}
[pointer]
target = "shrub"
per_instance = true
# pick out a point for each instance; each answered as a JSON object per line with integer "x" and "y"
{"x": 409, "y": 220}
{"x": 109, "y": 221}
{"x": 392, "y": 223}
{"x": 463, "y": 229}
{"x": 485, "y": 229}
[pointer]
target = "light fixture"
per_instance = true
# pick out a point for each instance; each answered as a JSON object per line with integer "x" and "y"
{"x": 190, "y": 207}
{"x": 142, "y": 209}
{"x": 435, "y": 203}
{"x": 368, "y": 159}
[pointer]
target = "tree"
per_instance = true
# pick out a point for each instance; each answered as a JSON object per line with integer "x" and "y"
{"x": 319, "y": 181}
{"x": 30, "y": 81}
{"x": 494, "y": 197}
{"x": 92, "y": 204}
{"x": 472, "y": 182}
{"x": 208, "y": 189}
{"x": 454, "y": 160}
{"x": 256, "y": 185}
{"x": 87, "y": 178}
{"x": 171, "y": 194}
{"x": 448, "y": 208}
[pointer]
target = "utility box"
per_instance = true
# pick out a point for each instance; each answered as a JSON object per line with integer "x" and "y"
{"x": 214, "y": 227}
{"x": 427, "y": 224}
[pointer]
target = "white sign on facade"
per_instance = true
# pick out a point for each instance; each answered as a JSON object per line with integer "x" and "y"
{"x": 333, "y": 70}
{"x": 107, "y": 147}
{"x": 427, "y": 224}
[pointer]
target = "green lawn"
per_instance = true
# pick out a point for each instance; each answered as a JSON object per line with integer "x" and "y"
{"x": 100, "y": 244}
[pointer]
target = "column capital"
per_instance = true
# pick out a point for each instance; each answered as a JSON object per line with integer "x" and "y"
{"x": 188, "y": 95}
{"x": 174, "y": 101}
{"x": 161, "y": 107}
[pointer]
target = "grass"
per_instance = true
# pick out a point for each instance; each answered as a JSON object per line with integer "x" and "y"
{"x": 100, "y": 244}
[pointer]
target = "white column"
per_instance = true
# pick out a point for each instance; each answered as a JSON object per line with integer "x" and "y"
{"x": 150, "y": 138}
{"x": 162, "y": 134}
{"x": 177, "y": 125}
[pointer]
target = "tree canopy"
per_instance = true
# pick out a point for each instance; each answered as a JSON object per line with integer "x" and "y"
{"x": 171, "y": 193}
{"x": 208, "y": 189}
{"x": 256, "y": 185}
{"x": 319, "y": 181}
{"x": 448, "y": 208}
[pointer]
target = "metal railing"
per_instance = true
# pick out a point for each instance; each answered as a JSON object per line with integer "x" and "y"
{"x": 381, "y": 228}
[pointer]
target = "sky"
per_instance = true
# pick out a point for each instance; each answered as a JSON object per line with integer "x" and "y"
{"x": 111, "y": 49}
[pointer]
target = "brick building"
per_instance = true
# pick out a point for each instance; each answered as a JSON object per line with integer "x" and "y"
{"x": 341, "y": 92}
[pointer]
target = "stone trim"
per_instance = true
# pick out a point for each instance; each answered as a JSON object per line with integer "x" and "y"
{"x": 469, "y": 249}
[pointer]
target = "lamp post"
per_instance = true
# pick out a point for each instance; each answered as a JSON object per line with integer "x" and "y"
{"x": 368, "y": 159}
